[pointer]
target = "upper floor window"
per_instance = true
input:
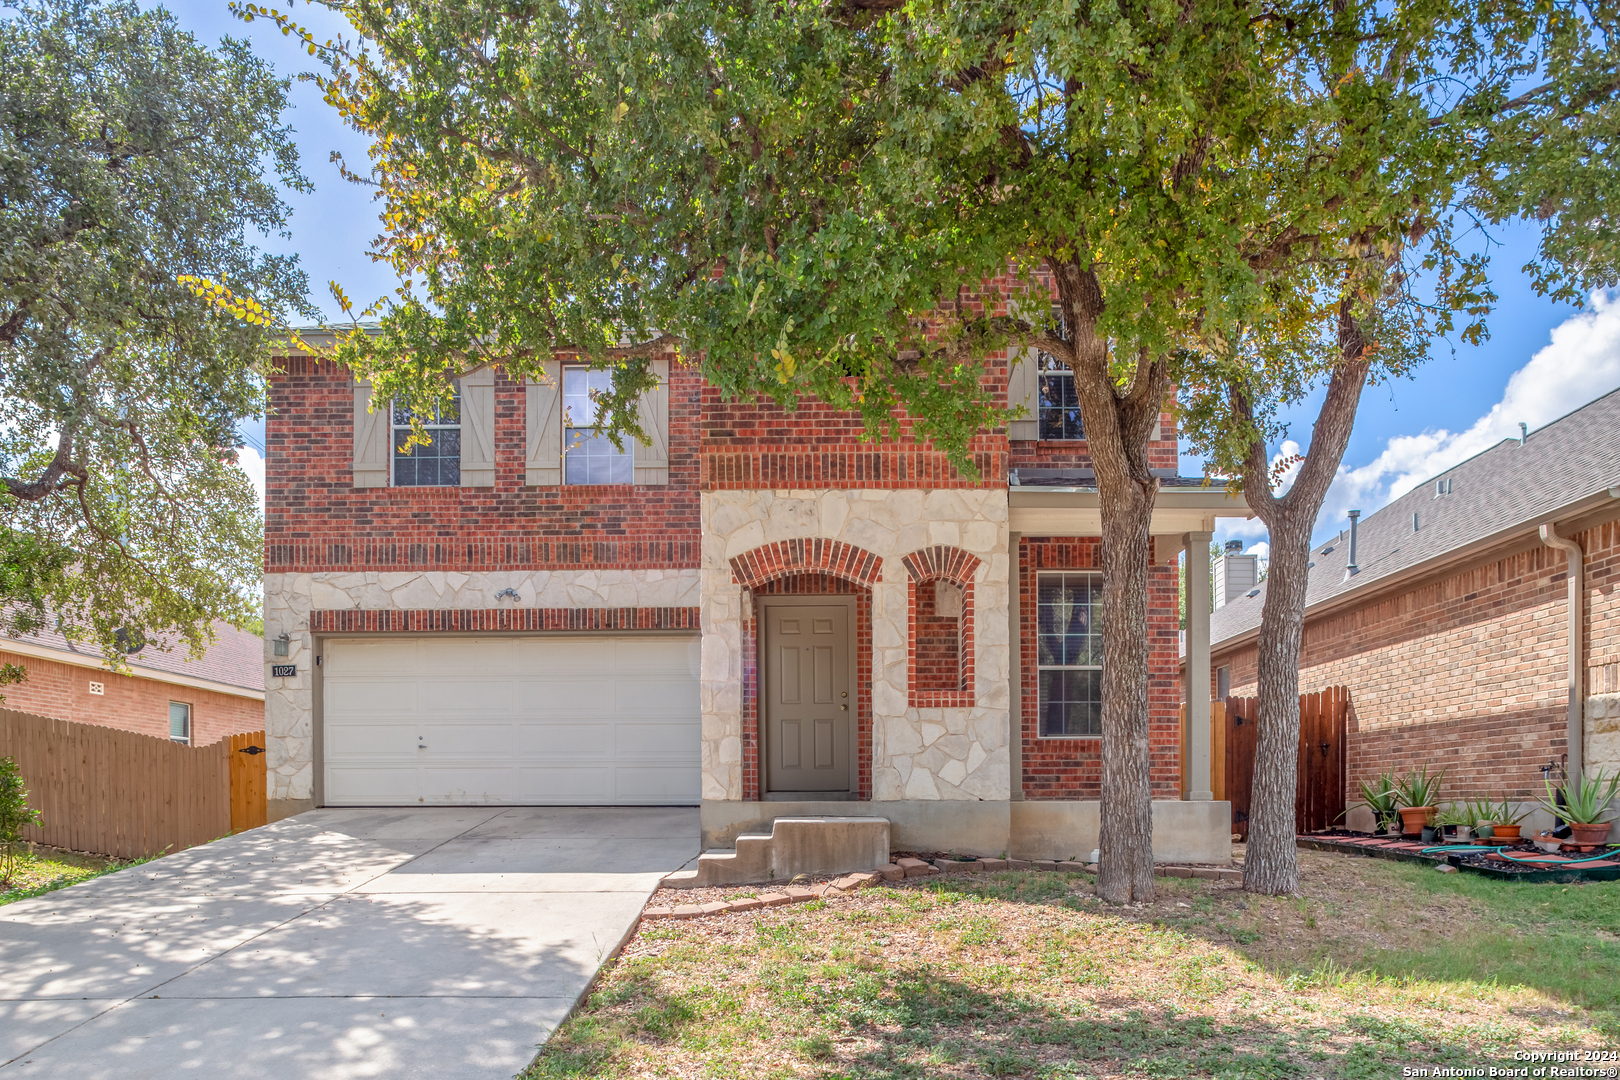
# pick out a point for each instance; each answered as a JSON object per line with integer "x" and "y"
{"x": 439, "y": 462}
{"x": 1069, "y": 653}
{"x": 179, "y": 722}
{"x": 588, "y": 456}
{"x": 1059, "y": 407}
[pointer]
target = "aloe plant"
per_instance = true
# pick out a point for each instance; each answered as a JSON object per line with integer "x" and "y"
{"x": 1586, "y": 799}
{"x": 1379, "y": 795}
{"x": 1418, "y": 789}
{"x": 1505, "y": 812}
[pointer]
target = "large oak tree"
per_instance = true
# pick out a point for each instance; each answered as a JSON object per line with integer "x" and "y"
{"x": 132, "y": 157}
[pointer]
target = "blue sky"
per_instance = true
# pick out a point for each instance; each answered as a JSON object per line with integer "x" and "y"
{"x": 1542, "y": 359}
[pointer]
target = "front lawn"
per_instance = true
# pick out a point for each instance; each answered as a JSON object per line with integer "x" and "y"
{"x": 48, "y": 869}
{"x": 1378, "y": 965}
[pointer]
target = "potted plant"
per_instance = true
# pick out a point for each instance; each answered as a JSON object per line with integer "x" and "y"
{"x": 1459, "y": 820}
{"x": 1416, "y": 796}
{"x": 1504, "y": 818}
{"x": 1379, "y": 795}
{"x": 1585, "y": 806}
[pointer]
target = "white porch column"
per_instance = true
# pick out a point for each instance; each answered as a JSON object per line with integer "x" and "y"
{"x": 1197, "y": 669}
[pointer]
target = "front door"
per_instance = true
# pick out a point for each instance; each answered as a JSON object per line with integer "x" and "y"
{"x": 808, "y": 696}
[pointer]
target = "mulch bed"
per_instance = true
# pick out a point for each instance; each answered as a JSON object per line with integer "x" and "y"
{"x": 1528, "y": 863}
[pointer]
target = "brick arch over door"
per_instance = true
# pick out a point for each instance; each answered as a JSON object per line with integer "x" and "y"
{"x": 808, "y": 567}
{"x": 806, "y": 555}
{"x": 939, "y": 648}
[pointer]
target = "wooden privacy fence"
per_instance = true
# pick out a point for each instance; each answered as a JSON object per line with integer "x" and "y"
{"x": 127, "y": 795}
{"x": 1319, "y": 798}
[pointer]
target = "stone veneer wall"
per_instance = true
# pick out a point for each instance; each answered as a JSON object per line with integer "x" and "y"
{"x": 290, "y": 598}
{"x": 917, "y": 753}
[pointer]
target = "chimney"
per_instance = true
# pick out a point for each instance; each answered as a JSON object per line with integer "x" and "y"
{"x": 1235, "y": 573}
{"x": 1350, "y": 566}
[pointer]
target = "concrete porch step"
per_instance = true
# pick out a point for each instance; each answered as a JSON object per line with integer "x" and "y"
{"x": 794, "y": 846}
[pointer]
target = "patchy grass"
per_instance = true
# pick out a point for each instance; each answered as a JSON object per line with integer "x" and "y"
{"x": 47, "y": 869}
{"x": 1376, "y": 965}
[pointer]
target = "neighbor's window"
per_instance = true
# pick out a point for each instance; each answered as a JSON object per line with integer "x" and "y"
{"x": 1059, "y": 407}
{"x": 589, "y": 457}
{"x": 179, "y": 721}
{"x": 1069, "y": 653}
{"x": 438, "y": 464}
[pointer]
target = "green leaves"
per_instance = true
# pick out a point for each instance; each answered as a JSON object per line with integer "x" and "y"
{"x": 134, "y": 319}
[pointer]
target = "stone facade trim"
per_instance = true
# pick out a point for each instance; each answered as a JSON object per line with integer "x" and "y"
{"x": 805, "y": 555}
{"x": 502, "y": 619}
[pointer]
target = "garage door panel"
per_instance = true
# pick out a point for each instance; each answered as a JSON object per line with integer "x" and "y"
{"x": 371, "y": 696}
{"x": 663, "y": 740}
{"x": 374, "y": 783}
{"x": 466, "y": 697}
{"x": 595, "y": 740}
{"x": 668, "y": 781}
{"x": 588, "y": 719}
{"x": 544, "y": 785}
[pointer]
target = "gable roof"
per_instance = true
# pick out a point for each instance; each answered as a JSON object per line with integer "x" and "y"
{"x": 235, "y": 659}
{"x": 1497, "y": 493}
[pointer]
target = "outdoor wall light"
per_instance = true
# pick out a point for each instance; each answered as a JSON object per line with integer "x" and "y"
{"x": 281, "y": 643}
{"x": 505, "y": 593}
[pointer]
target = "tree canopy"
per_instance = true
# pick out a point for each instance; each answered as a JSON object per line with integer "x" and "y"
{"x": 131, "y": 159}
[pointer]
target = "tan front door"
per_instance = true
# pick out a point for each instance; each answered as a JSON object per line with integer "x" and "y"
{"x": 808, "y": 697}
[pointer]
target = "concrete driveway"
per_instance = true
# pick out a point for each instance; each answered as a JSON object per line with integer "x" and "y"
{"x": 338, "y": 944}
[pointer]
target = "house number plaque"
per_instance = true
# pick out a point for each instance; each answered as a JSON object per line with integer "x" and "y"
{"x": 283, "y": 671}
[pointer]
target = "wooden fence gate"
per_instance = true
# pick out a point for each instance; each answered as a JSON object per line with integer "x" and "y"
{"x": 1319, "y": 798}
{"x": 128, "y": 795}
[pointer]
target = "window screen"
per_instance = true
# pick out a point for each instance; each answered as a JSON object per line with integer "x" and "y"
{"x": 179, "y": 721}
{"x": 439, "y": 462}
{"x": 1059, "y": 407}
{"x": 588, "y": 457}
{"x": 1069, "y": 654}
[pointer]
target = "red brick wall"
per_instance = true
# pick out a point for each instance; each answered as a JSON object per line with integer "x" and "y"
{"x": 939, "y": 648}
{"x": 1465, "y": 672}
{"x": 131, "y": 703}
{"x": 315, "y": 519}
{"x": 1071, "y": 768}
{"x": 810, "y": 584}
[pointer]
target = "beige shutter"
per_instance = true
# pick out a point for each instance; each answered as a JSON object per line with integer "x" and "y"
{"x": 542, "y": 427}
{"x": 1023, "y": 388}
{"x": 652, "y": 413}
{"x": 371, "y": 439}
{"x": 478, "y": 428}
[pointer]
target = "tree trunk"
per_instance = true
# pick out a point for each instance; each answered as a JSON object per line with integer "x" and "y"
{"x": 1118, "y": 421}
{"x": 1126, "y": 844}
{"x": 1272, "y": 863}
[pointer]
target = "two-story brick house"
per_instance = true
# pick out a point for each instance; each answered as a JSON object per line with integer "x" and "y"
{"x": 757, "y": 613}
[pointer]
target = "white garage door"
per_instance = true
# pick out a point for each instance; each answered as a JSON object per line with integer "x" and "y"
{"x": 525, "y": 721}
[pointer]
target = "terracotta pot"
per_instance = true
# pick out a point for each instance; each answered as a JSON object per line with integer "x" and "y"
{"x": 1592, "y": 835}
{"x": 1506, "y": 832}
{"x": 1413, "y": 818}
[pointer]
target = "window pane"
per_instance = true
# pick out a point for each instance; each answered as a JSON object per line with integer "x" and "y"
{"x": 1069, "y": 620}
{"x": 179, "y": 721}
{"x": 589, "y": 458}
{"x": 1071, "y": 703}
{"x": 439, "y": 462}
{"x": 1059, "y": 406}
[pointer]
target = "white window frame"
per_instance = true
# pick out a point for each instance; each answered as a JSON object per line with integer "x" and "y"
{"x": 569, "y": 444}
{"x": 394, "y": 428}
{"x": 1040, "y": 702}
{"x": 1049, "y": 366}
{"x": 186, "y": 738}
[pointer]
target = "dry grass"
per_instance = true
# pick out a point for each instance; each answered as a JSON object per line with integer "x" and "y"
{"x": 1028, "y": 974}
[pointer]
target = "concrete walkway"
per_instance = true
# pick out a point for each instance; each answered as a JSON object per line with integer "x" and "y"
{"x": 338, "y": 944}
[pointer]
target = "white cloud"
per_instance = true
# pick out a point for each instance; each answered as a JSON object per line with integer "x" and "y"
{"x": 1580, "y": 364}
{"x": 249, "y": 461}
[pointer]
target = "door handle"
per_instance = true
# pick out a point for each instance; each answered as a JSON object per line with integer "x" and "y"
{"x": 843, "y": 708}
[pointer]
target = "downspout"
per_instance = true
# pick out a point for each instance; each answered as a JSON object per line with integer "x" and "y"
{"x": 1576, "y": 560}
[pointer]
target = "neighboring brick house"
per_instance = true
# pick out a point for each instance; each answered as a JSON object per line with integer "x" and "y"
{"x": 758, "y": 612}
{"x": 166, "y": 694}
{"x": 1453, "y": 630}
